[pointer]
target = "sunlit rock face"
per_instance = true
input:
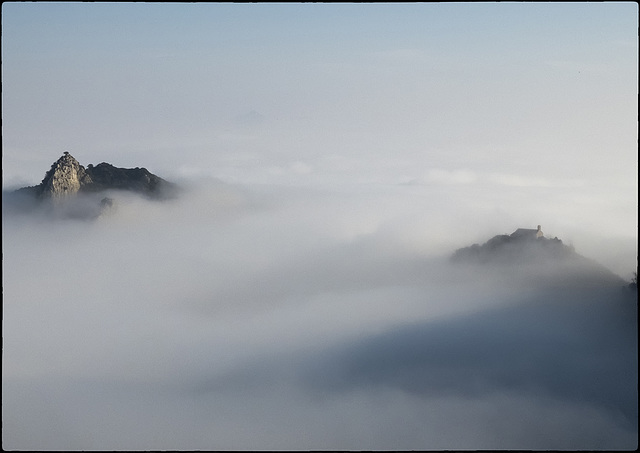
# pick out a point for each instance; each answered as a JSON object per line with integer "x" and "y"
{"x": 70, "y": 190}
{"x": 66, "y": 177}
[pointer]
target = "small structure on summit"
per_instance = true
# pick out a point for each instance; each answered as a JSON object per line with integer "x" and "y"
{"x": 523, "y": 245}
{"x": 527, "y": 233}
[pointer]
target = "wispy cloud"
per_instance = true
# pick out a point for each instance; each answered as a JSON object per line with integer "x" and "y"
{"x": 451, "y": 177}
{"x": 527, "y": 181}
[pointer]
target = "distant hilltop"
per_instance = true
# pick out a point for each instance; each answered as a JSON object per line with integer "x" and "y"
{"x": 522, "y": 244}
{"x": 528, "y": 249}
{"x": 67, "y": 177}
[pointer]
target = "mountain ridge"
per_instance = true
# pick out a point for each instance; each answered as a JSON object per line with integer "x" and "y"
{"x": 70, "y": 190}
{"x": 68, "y": 177}
{"x": 543, "y": 259}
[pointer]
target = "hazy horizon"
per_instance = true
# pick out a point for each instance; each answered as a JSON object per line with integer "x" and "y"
{"x": 528, "y": 111}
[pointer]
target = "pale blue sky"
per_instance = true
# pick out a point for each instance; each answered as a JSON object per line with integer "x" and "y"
{"x": 497, "y": 95}
{"x": 80, "y": 74}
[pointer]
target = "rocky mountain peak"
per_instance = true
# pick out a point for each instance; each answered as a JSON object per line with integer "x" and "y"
{"x": 66, "y": 177}
{"x": 72, "y": 190}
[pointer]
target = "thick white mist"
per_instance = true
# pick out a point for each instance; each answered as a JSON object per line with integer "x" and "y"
{"x": 205, "y": 316}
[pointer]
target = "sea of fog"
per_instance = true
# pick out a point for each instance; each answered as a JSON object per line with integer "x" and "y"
{"x": 308, "y": 317}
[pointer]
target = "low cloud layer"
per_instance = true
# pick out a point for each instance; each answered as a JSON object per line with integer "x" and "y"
{"x": 249, "y": 317}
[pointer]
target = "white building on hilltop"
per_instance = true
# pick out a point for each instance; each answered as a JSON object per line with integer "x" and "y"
{"x": 527, "y": 233}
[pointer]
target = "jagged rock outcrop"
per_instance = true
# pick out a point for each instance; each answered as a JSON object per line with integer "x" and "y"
{"x": 68, "y": 177}
{"x": 105, "y": 176}
{"x": 70, "y": 190}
